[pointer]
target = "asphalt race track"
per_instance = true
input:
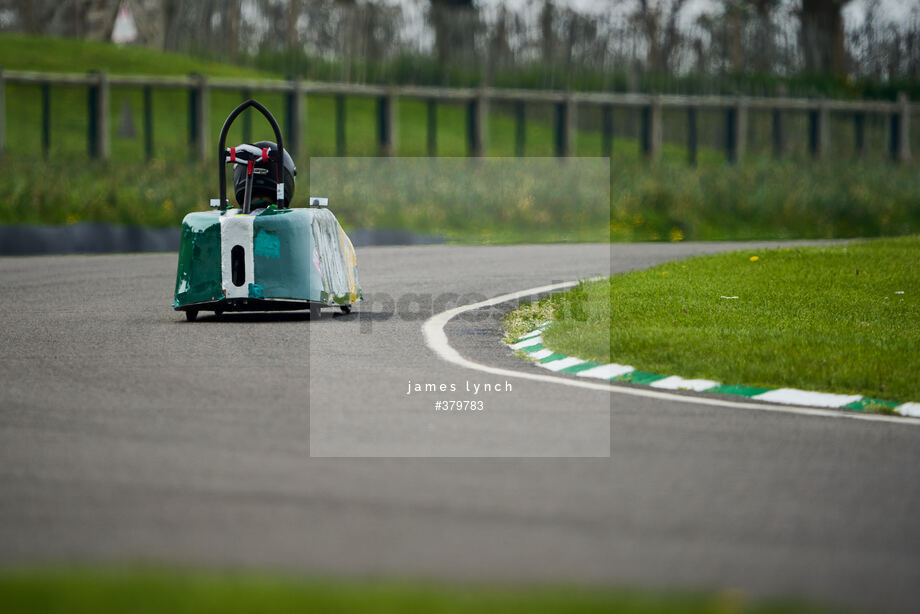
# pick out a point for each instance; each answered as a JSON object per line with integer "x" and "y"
{"x": 129, "y": 435}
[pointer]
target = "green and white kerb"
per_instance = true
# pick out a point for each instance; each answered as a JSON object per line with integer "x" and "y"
{"x": 531, "y": 345}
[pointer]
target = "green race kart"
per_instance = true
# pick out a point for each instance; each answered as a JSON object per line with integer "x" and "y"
{"x": 268, "y": 256}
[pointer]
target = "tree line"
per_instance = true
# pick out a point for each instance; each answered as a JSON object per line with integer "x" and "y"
{"x": 618, "y": 45}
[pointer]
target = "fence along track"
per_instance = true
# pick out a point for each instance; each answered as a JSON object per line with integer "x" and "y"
{"x": 735, "y": 108}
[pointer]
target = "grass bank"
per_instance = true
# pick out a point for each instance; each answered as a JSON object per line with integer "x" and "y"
{"x": 47, "y": 53}
{"x": 148, "y": 591}
{"x": 833, "y": 319}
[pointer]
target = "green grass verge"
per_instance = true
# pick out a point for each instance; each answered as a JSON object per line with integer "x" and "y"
{"x": 830, "y": 319}
{"x": 46, "y": 53}
{"x": 148, "y": 591}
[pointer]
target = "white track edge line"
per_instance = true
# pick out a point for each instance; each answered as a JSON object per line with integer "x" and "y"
{"x": 436, "y": 340}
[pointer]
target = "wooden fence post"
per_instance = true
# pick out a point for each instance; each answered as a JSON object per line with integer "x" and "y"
{"x": 476, "y": 115}
{"x": 859, "y": 132}
{"x": 293, "y": 137}
{"x": 691, "y": 135}
{"x": 899, "y": 131}
{"x": 817, "y": 131}
{"x": 736, "y": 131}
{"x": 520, "y": 128}
{"x": 192, "y": 113}
{"x": 2, "y": 112}
{"x": 305, "y": 139}
{"x": 148, "y": 123}
{"x": 650, "y": 140}
{"x": 102, "y": 125}
{"x": 779, "y": 133}
{"x": 247, "y": 118}
{"x": 339, "y": 125}
{"x": 46, "y": 119}
{"x": 432, "y": 108}
{"x": 98, "y": 124}
{"x": 198, "y": 117}
{"x": 386, "y": 136}
{"x": 607, "y": 130}
{"x": 565, "y": 127}
{"x": 904, "y": 150}
{"x": 894, "y": 135}
{"x": 779, "y": 127}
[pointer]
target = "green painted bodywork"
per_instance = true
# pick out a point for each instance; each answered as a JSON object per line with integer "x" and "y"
{"x": 267, "y": 244}
{"x": 288, "y": 263}
{"x": 198, "y": 278}
{"x": 282, "y": 253}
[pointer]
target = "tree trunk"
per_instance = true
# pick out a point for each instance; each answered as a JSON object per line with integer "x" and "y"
{"x": 170, "y": 16}
{"x": 548, "y": 33}
{"x": 292, "y": 17}
{"x": 821, "y": 36}
{"x": 233, "y": 29}
{"x": 452, "y": 21}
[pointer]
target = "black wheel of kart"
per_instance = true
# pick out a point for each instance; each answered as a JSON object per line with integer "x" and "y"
{"x": 191, "y": 315}
{"x": 218, "y": 313}
{"x": 346, "y": 309}
{"x": 314, "y": 311}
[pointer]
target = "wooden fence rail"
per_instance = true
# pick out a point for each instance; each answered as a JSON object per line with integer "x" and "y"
{"x": 736, "y": 110}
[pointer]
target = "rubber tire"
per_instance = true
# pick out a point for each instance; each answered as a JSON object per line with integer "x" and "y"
{"x": 191, "y": 315}
{"x": 218, "y": 313}
{"x": 315, "y": 311}
{"x": 346, "y": 309}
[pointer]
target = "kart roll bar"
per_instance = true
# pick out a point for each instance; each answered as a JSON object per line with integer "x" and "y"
{"x": 222, "y": 151}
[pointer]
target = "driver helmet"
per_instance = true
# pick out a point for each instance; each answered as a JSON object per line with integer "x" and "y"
{"x": 264, "y": 186}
